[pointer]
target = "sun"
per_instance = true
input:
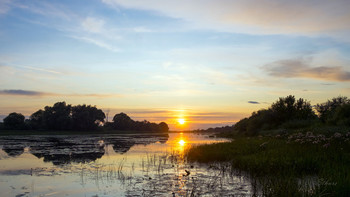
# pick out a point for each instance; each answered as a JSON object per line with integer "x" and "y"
{"x": 181, "y": 121}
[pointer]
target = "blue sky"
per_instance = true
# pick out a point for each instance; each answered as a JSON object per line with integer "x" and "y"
{"x": 204, "y": 61}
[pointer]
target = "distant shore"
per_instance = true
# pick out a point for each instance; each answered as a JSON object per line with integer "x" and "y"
{"x": 47, "y": 132}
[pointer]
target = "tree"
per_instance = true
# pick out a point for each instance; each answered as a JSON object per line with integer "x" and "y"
{"x": 36, "y": 120}
{"x": 326, "y": 110}
{"x": 14, "y": 121}
{"x": 285, "y": 110}
{"x": 163, "y": 127}
{"x": 122, "y": 122}
{"x": 58, "y": 117}
{"x": 341, "y": 115}
{"x": 288, "y": 108}
{"x": 87, "y": 117}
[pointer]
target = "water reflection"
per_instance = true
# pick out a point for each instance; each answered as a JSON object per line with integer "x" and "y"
{"x": 74, "y": 149}
{"x": 119, "y": 165}
{"x": 182, "y": 143}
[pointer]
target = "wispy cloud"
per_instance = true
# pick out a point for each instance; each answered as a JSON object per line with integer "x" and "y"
{"x": 253, "y": 102}
{"x": 142, "y": 30}
{"x": 300, "y": 68}
{"x": 4, "y": 6}
{"x": 250, "y": 16}
{"x": 97, "y": 43}
{"x": 93, "y": 25}
{"x": 41, "y": 69}
{"x": 22, "y": 93}
{"x": 31, "y": 93}
{"x": 46, "y": 9}
{"x": 72, "y": 23}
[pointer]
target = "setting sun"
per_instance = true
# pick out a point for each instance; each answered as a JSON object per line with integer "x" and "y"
{"x": 181, "y": 121}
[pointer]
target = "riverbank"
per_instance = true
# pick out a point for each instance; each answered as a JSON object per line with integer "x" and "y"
{"x": 300, "y": 164}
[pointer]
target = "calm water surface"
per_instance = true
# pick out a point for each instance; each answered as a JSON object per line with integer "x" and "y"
{"x": 112, "y": 165}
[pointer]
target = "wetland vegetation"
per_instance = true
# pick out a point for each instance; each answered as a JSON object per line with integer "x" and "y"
{"x": 288, "y": 149}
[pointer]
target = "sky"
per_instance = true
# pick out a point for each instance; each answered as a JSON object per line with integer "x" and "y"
{"x": 210, "y": 63}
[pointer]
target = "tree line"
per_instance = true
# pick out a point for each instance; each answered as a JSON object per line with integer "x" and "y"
{"x": 62, "y": 116}
{"x": 291, "y": 113}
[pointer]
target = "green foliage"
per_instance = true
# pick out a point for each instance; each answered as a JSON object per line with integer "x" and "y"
{"x": 284, "y": 110}
{"x": 341, "y": 115}
{"x": 327, "y": 110}
{"x": 280, "y": 166}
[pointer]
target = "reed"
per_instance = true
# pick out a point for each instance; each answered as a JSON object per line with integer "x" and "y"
{"x": 278, "y": 165}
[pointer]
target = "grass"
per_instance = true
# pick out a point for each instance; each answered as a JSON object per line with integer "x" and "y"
{"x": 281, "y": 167}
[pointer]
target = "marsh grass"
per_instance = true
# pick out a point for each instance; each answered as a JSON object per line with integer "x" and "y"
{"x": 280, "y": 168}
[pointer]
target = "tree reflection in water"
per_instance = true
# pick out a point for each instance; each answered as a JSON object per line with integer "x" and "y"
{"x": 114, "y": 165}
{"x": 74, "y": 149}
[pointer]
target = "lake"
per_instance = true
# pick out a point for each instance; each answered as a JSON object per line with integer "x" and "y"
{"x": 113, "y": 165}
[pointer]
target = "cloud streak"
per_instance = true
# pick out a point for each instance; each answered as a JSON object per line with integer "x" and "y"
{"x": 30, "y": 93}
{"x": 93, "y": 25}
{"x": 299, "y": 68}
{"x": 253, "y": 102}
{"x": 4, "y": 6}
{"x": 251, "y": 16}
{"x": 98, "y": 43}
{"x": 21, "y": 93}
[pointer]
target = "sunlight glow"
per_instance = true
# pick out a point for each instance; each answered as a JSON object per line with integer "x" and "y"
{"x": 182, "y": 142}
{"x": 181, "y": 121}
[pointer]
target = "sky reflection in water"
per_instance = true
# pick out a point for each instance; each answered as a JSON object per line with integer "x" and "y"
{"x": 126, "y": 165}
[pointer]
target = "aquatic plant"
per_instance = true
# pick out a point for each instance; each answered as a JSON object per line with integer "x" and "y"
{"x": 277, "y": 165}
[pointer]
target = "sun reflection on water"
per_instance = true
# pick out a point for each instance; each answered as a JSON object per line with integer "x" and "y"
{"x": 182, "y": 143}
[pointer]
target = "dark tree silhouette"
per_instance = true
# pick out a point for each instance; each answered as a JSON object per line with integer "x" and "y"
{"x": 14, "y": 121}
{"x": 163, "y": 127}
{"x": 122, "y": 122}
{"x": 341, "y": 115}
{"x": 285, "y": 111}
{"x": 58, "y": 117}
{"x": 62, "y": 116}
{"x": 326, "y": 110}
{"x": 36, "y": 120}
{"x": 87, "y": 117}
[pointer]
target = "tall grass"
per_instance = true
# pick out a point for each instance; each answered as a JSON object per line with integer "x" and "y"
{"x": 281, "y": 168}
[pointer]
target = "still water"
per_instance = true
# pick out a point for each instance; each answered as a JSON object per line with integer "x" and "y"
{"x": 112, "y": 165}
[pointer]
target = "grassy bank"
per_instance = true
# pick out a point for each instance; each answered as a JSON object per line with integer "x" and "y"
{"x": 295, "y": 165}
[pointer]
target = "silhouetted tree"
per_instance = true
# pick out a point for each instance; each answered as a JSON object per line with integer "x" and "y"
{"x": 58, "y": 117}
{"x": 36, "y": 120}
{"x": 163, "y": 127}
{"x": 341, "y": 116}
{"x": 122, "y": 122}
{"x": 87, "y": 117}
{"x": 326, "y": 110}
{"x": 14, "y": 121}
{"x": 285, "y": 110}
